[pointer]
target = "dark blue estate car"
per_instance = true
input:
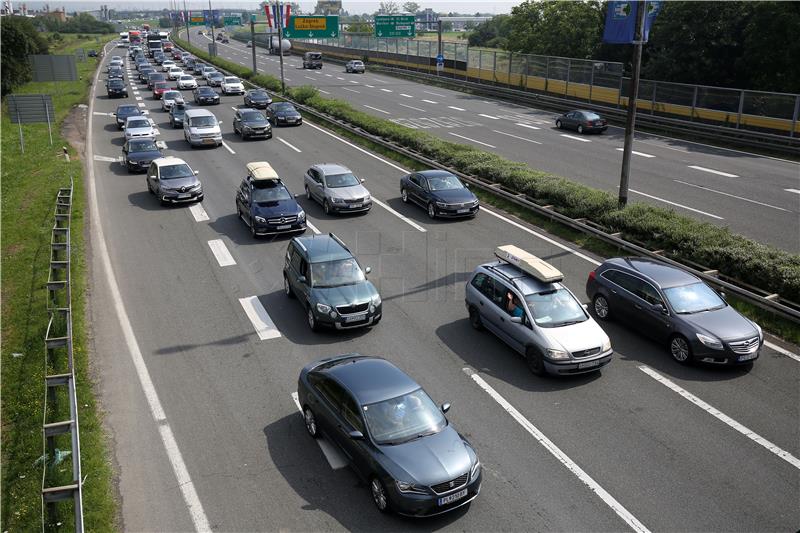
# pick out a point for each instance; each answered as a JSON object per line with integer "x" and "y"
{"x": 394, "y": 435}
{"x": 124, "y": 111}
{"x": 440, "y": 193}
{"x": 674, "y": 307}
{"x": 265, "y": 204}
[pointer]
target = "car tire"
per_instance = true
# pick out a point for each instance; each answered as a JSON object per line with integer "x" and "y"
{"x": 287, "y": 288}
{"x": 326, "y": 207}
{"x": 308, "y": 193}
{"x": 601, "y": 308}
{"x": 558, "y": 124}
{"x": 580, "y": 129}
{"x": 475, "y": 319}
{"x": 379, "y": 496}
{"x": 404, "y": 196}
{"x": 431, "y": 211}
{"x": 680, "y": 350}
{"x": 311, "y": 319}
{"x": 311, "y": 423}
{"x": 534, "y": 361}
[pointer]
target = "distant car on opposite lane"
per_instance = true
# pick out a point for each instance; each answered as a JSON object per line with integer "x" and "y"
{"x": 582, "y": 121}
{"x": 355, "y": 66}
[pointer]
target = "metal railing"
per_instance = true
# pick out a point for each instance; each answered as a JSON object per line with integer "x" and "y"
{"x": 60, "y": 376}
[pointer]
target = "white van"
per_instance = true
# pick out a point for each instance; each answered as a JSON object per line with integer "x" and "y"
{"x": 201, "y": 128}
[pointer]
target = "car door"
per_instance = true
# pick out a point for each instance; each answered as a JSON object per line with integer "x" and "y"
{"x": 653, "y": 322}
{"x": 243, "y": 199}
{"x": 508, "y": 331}
{"x": 125, "y": 152}
{"x": 625, "y": 297}
{"x": 414, "y": 187}
{"x": 424, "y": 193}
{"x": 318, "y": 185}
{"x": 237, "y": 122}
{"x": 489, "y": 302}
{"x": 328, "y": 397}
{"x": 357, "y": 450}
{"x": 152, "y": 177}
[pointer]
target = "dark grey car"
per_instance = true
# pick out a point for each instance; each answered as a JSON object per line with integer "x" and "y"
{"x": 674, "y": 307}
{"x": 392, "y": 432}
{"x": 283, "y": 113}
{"x": 251, "y": 123}
{"x": 257, "y": 98}
{"x": 137, "y": 154}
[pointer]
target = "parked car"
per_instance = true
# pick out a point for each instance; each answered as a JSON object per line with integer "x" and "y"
{"x": 232, "y": 85}
{"x": 520, "y": 298}
{"x": 176, "y": 114}
{"x": 337, "y": 189}
{"x": 283, "y": 113}
{"x": 159, "y": 88}
{"x": 440, "y": 193}
{"x": 673, "y": 307}
{"x": 257, "y": 99}
{"x": 173, "y": 181}
{"x": 187, "y": 81}
{"x": 205, "y": 95}
{"x": 124, "y": 111}
{"x": 139, "y": 128}
{"x": 170, "y": 98}
{"x": 312, "y": 60}
{"x": 116, "y": 88}
{"x": 137, "y": 154}
{"x": 251, "y": 123}
{"x": 264, "y": 203}
{"x": 201, "y": 128}
{"x": 582, "y": 121}
{"x": 394, "y": 435}
{"x": 329, "y": 282}
{"x": 355, "y": 66}
{"x": 214, "y": 79}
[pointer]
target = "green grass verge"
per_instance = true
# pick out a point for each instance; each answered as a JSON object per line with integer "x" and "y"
{"x": 30, "y": 182}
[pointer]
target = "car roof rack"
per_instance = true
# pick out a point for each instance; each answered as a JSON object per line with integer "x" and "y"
{"x": 261, "y": 170}
{"x": 340, "y": 241}
{"x": 528, "y": 263}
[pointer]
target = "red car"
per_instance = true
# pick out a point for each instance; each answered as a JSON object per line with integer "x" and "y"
{"x": 159, "y": 88}
{"x": 168, "y": 46}
{"x": 176, "y": 55}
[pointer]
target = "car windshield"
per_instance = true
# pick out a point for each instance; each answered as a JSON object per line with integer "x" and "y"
{"x": 139, "y": 123}
{"x": 206, "y": 91}
{"x": 358, "y": 64}
{"x": 161, "y": 85}
{"x": 253, "y": 116}
{"x": 172, "y": 172}
{"x": 187, "y": 78}
{"x": 215, "y": 75}
{"x": 171, "y": 95}
{"x": 142, "y": 146}
{"x": 232, "y": 79}
{"x": 404, "y": 418}
{"x": 341, "y": 180}
{"x": 693, "y": 298}
{"x": 283, "y": 106}
{"x": 260, "y": 95}
{"x": 555, "y": 308}
{"x": 273, "y": 193}
{"x": 116, "y": 83}
{"x": 156, "y": 77}
{"x": 178, "y": 110}
{"x": 203, "y": 122}
{"x": 336, "y": 273}
{"x": 127, "y": 110}
{"x": 444, "y": 183}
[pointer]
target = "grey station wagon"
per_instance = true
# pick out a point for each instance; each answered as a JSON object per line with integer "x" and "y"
{"x": 337, "y": 189}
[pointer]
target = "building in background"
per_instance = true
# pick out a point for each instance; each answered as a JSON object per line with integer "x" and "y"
{"x": 426, "y": 19}
{"x": 463, "y": 23}
{"x": 328, "y": 7}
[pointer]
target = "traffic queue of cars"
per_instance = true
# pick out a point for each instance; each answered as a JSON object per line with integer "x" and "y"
{"x": 396, "y": 438}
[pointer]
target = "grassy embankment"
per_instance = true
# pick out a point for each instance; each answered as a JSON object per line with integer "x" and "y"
{"x": 30, "y": 182}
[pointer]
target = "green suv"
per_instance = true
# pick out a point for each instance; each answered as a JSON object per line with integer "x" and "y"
{"x": 325, "y": 276}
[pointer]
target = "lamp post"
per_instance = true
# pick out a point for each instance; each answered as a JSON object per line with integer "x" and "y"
{"x": 211, "y": 21}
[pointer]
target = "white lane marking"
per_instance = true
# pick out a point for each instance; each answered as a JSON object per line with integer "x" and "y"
{"x": 399, "y": 215}
{"x": 99, "y": 114}
{"x": 711, "y": 170}
{"x": 339, "y": 78}
{"x": 353, "y": 81}
{"x": 411, "y": 107}
{"x": 198, "y": 212}
{"x": 287, "y": 79}
{"x": 796, "y": 191}
{"x": 527, "y": 126}
{"x": 379, "y": 81}
{"x": 719, "y": 415}
{"x": 138, "y": 97}
{"x": 141, "y": 104}
{"x": 185, "y": 483}
{"x": 556, "y": 452}
{"x": 335, "y": 458}
{"x": 234, "y": 108}
{"x": 265, "y": 327}
{"x": 541, "y": 236}
{"x": 220, "y": 251}
{"x": 310, "y": 78}
{"x": 376, "y": 109}
{"x": 329, "y": 75}
{"x": 228, "y": 147}
{"x": 709, "y": 146}
{"x": 517, "y": 137}
{"x": 368, "y": 85}
{"x": 634, "y": 152}
{"x": 386, "y": 90}
{"x": 473, "y": 140}
{"x": 435, "y": 94}
{"x": 575, "y": 138}
{"x": 106, "y": 159}
{"x": 406, "y": 95}
{"x": 731, "y": 195}
{"x": 677, "y": 205}
{"x": 488, "y": 116}
{"x": 781, "y": 350}
{"x": 313, "y": 227}
{"x": 351, "y": 90}
{"x": 296, "y": 149}
{"x": 323, "y": 92}
{"x": 430, "y": 102}
{"x": 456, "y": 108}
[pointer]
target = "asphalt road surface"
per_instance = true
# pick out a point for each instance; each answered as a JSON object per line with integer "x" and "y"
{"x": 206, "y": 433}
{"x": 754, "y": 195}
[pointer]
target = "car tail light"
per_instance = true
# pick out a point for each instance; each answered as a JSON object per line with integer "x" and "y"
{"x": 592, "y": 275}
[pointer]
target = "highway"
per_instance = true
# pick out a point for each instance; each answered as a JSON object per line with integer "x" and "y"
{"x": 751, "y": 194}
{"x": 206, "y": 433}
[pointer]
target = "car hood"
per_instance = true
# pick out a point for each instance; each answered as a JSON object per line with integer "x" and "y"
{"x": 279, "y": 208}
{"x": 139, "y": 131}
{"x": 144, "y": 156}
{"x": 725, "y": 323}
{"x": 287, "y": 114}
{"x": 255, "y": 123}
{"x": 212, "y": 94}
{"x": 346, "y": 294}
{"x": 430, "y": 460}
{"x": 124, "y": 116}
{"x": 454, "y": 196}
{"x": 348, "y": 193}
{"x": 577, "y": 337}
{"x": 177, "y": 183}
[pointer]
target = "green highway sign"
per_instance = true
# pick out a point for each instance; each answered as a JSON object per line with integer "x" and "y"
{"x": 394, "y": 26}
{"x": 233, "y": 21}
{"x": 312, "y": 26}
{"x": 197, "y": 21}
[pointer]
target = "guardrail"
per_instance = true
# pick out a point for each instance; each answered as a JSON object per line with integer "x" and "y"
{"x": 771, "y": 302}
{"x": 60, "y": 375}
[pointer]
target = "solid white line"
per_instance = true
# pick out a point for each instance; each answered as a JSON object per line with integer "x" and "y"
{"x": 527, "y": 126}
{"x": 313, "y": 227}
{"x": 106, "y": 159}
{"x": 411, "y": 107}
{"x": 141, "y": 104}
{"x": 634, "y": 152}
{"x": 711, "y": 170}
{"x": 323, "y": 92}
{"x": 488, "y": 116}
{"x": 220, "y": 251}
{"x": 473, "y": 140}
{"x": 781, "y": 350}
{"x": 399, "y": 215}
{"x": 677, "y": 205}
{"x": 198, "y": 212}
{"x": 351, "y": 90}
{"x": 556, "y": 452}
{"x": 796, "y": 191}
{"x": 296, "y": 149}
{"x": 99, "y": 114}
{"x": 378, "y": 110}
{"x": 265, "y": 327}
{"x": 731, "y": 195}
{"x": 517, "y": 137}
{"x": 750, "y": 434}
{"x": 575, "y": 138}
{"x": 228, "y": 147}
{"x": 406, "y": 95}
{"x": 386, "y": 90}
{"x": 456, "y": 108}
{"x": 185, "y": 483}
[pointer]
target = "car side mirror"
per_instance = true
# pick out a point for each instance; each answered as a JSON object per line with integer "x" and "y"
{"x": 516, "y": 319}
{"x": 445, "y": 407}
{"x": 362, "y": 180}
{"x": 196, "y": 172}
{"x": 356, "y": 435}
{"x": 659, "y": 308}
{"x": 152, "y": 177}
{"x": 466, "y": 185}
{"x": 302, "y": 279}
{"x": 367, "y": 270}
{"x": 722, "y": 295}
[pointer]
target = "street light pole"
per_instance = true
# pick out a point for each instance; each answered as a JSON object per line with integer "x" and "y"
{"x": 186, "y": 19}
{"x": 633, "y": 97}
{"x": 211, "y": 21}
{"x": 253, "y": 42}
{"x": 279, "y": 23}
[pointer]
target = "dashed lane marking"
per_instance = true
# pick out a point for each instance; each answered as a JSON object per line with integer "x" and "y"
{"x": 263, "y": 324}
{"x": 677, "y": 204}
{"x": 228, "y": 147}
{"x": 376, "y": 109}
{"x": 412, "y": 107}
{"x": 389, "y": 90}
{"x": 712, "y": 171}
{"x": 575, "y": 138}
{"x": 517, "y": 137}
{"x": 472, "y": 140}
{"x": 221, "y": 253}
{"x": 528, "y": 126}
{"x": 731, "y": 195}
{"x": 351, "y": 90}
{"x": 406, "y": 95}
{"x": 293, "y": 147}
{"x": 106, "y": 158}
{"x": 456, "y": 108}
{"x": 198, "y": 212}
{"x": 634, "y": 152}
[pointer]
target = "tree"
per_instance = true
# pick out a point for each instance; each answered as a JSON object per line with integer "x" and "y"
{"x": 388, "y": 7}
{"x": 164, "y": 22}
{"x": 493, "y": 33}
{"x": 19, "y": 40}
{"x": 411, "y": 7}
{"x": 447, "y": 26}
{"x": 568, "y": 29}
{"x": 359, "y": 27}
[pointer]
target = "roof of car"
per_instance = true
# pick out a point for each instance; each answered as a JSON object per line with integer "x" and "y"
{"x": 434, "y": 173}
{"x": 261, "y": 170}
{"x": 199, "y": 113}
{"x": 371, "y": 379}
{"x": 169, "y": 160}
{"x": 525, "y": 282}
{"x": 662, "y": 274}
{"x": 330, "y": 169}
{"x": 321, "y": 248}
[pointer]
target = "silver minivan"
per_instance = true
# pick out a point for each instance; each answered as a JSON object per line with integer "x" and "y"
{"x": 521, "y": 299}
{"x": 337, "y": 189}
{"x": 201, "y": 128}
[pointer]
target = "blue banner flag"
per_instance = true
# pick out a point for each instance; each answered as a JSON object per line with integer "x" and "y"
{"x": 621, "y": 21}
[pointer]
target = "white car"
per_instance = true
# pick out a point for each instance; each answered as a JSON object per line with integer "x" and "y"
{"x": 170, "y": 98}
{"x": 187, "y": 81}
{"x": 174, "y": 73}
{"x": 206, "y": 71}
{"x": 167, "y": 64}
{"x": 114, "y": 63}
{"x": 139, "y": 128}
{"x": 232, "y": 85}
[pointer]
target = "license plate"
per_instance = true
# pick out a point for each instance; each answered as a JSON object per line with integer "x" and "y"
{"x": 355, "y": 318}
{"x": 453, "y": 497}
{"x": 355, "y": 206}
{"x": 183, "y": 196}
{"x": 291, "y": 120}
{"x": 209, "y": 141}
{"x": 589, "y": 364}
{"x": 287, "y": 226}
{"x": 463, "y": 211}
{"x": 748, "y": 356}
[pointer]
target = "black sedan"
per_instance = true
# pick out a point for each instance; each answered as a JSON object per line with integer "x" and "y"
{"x": 137, "y": 154}
{"x": 674, "y": 307}
{"x": 440, "y": 193}
{"x": 205, "y": 95}
{"x": 144, "y": 73}
{"x": 116, "y": 88}
{"x": 283, "y": 113}
{"x": 124, "y": 111}
{"x": 395, "y": 436}
{"x": 251, "y": 123}
{"x": 582, "y": 121}
{"x": 257, "y": 99}
{"x": 116, "y": 73}
{"x": 176, "y": 115}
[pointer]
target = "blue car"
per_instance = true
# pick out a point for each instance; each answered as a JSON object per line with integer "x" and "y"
{"x": 265, "y": 204}
{"x": 124, "y": 111}
{"x": 440, "y": 193}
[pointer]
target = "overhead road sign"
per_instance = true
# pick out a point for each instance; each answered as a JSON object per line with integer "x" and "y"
{"x": 233, "y": 21}
{"x": 395, "y": 26}
{"x": 310, "y": 27}
{"x": 195, "y": 20}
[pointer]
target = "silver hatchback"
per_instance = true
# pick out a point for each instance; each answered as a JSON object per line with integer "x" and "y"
{"x": 337, "y": 189}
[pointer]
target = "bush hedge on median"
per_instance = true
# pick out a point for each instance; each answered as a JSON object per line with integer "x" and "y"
{"x": 715, "y": 247}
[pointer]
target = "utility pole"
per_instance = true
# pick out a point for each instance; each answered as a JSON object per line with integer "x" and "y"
{"x": 211, "y": 21}
{"x": 186, "y": 19}
{"x": 279, "y": 23}
{"x": 630, "y": 122}
{"x": 253, "y": 42}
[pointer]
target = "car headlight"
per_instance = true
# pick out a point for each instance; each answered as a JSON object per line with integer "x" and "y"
{"x": 248, "y": 128}
{"x": 376, "y": 300}
{"x": 760, "y": 332}
{"x": 337, "y": 200}
{"x": 323, "y": 308}
{"x": 261, "y": 219}
{"x": 476, "y": 469}
{"x": 301, "y": 215}
{"x": 441, "y": 204}
{"x": 557, "y": 354}
{"x": 368, "y": 198}
{"x": 406, "y": 487}
{"x": 606, "y": 345}
{"x": 711, "y": 342}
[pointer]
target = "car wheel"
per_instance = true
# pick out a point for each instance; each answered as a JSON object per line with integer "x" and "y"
{"x": 311, "y": 423}
{"x": 326, "y": 207}
{"x": 287, "y": 288}
{"x": 558, "y": 124}
{"x": 312, "y": 320}
{"x": 308, "y": 193}
{"x": 534, "y": 360}
{"x": 379, "y": 496}
{"x": 404, "y": 196}
{"x": 149, "y": 188}
{"x": 580, "y": 128}
{"x": 253, "y": 228}
{"x": 680, "y": 350}
{"x": 601, "y": 308}
{"x": 475, "y": 319}
{"x": 431, "y": 211}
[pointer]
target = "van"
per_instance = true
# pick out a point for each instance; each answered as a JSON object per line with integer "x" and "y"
{"x": 201, "y": 128}
{"x": 312, "y": 60}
